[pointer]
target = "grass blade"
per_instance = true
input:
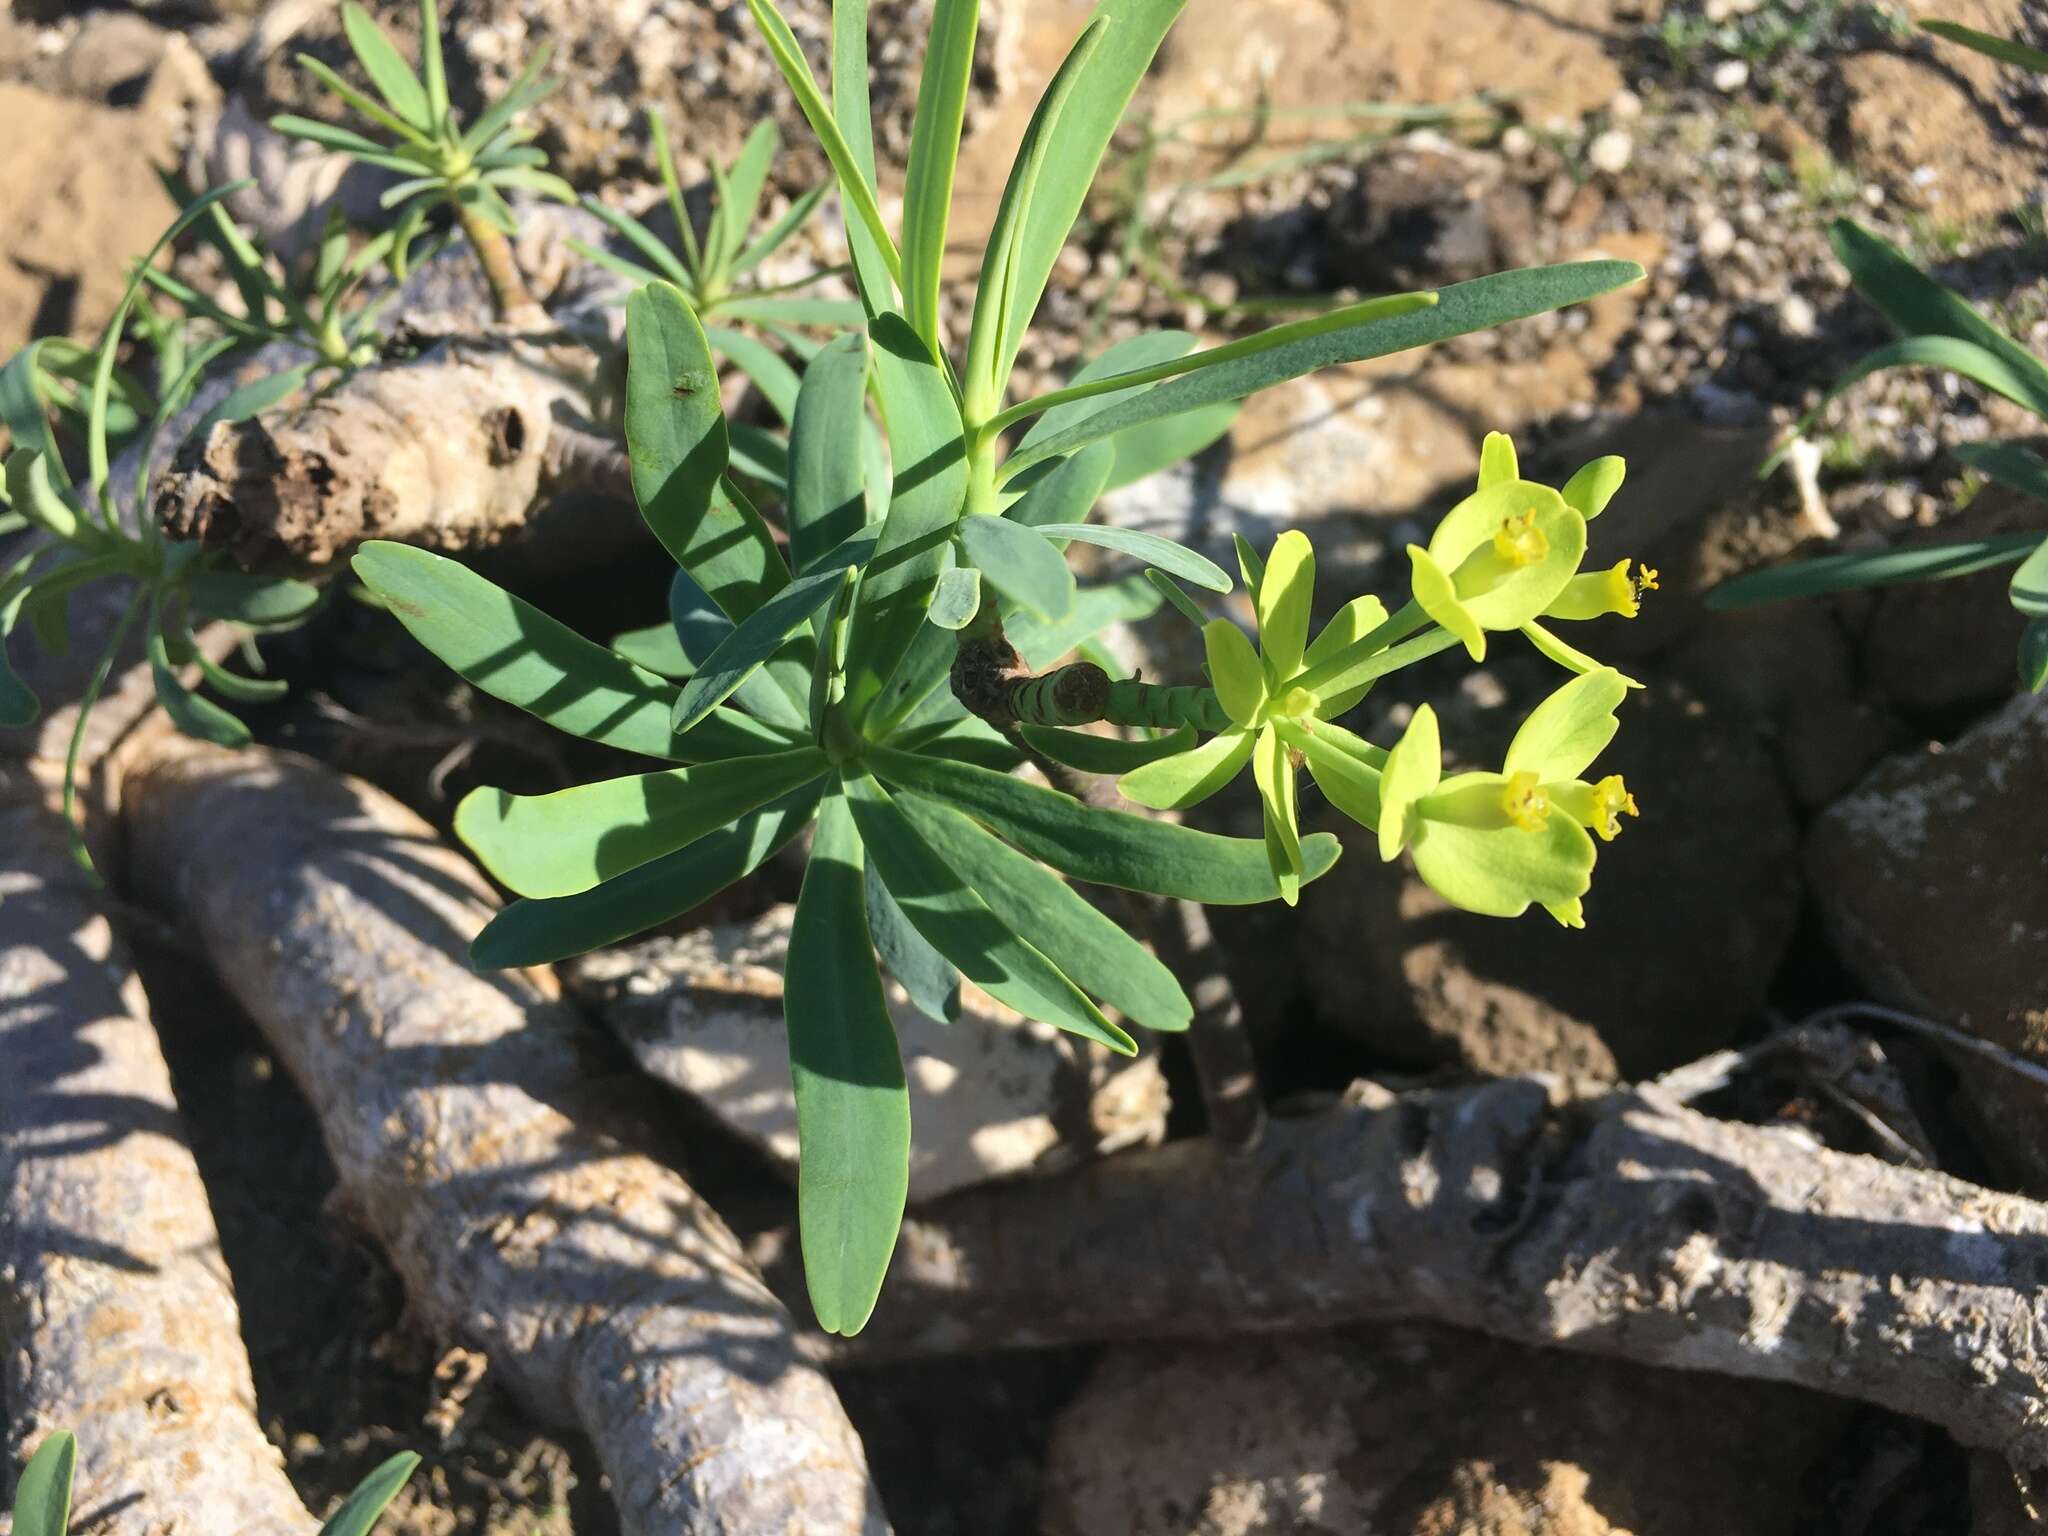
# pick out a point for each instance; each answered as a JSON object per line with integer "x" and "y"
{"x": 852, "y": 1106}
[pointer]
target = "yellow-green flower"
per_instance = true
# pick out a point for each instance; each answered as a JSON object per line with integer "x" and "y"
{"x": 1499, "y": 558}
{"x": 1256, "y": 689}
{"x": 1494, "y": 843}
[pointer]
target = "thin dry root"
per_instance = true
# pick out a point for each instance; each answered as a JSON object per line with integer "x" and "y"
{"x": 463, "y": 1127}
{"x": 116, "y": 1313}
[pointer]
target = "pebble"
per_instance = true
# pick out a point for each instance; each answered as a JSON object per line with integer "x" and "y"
{"x": 1797, "y": 317}
{"x": 1611, "y": 151}
{"x": 1730, "y": 75}
{"x": 1717, "y": 239}
{"x": 1625, "y": 106}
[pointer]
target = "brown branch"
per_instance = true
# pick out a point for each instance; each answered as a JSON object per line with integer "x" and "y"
{"x": 510, "y": 297}
{"x": 117, "y": 1318}
{"x": 466, "y": 1133}
{"x": 1620, "y": 1224}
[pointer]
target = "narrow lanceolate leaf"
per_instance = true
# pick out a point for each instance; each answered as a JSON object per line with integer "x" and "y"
{"x": 955, "y": 920}
{"x": 762, "y": 364}
{"x": 1843, "y": 573}
{"x": 1104, "y": 847}
{"x": 926, "y": 447}
{"x": 386, "y": 67}
{"x": 2030, "y": 583}
{"x": 1919, "y": 306}
{"x": 852, "y": 1106}
{"x": 776, "y": 694}
{"x": 1134, "y": 354}
{"x": 42, "y": 1498}
{"x": 1020, "y": 563}
{"x": 926, "y": 976}
{"x": 1069, "y": 493}
{"x": 568, "y": 841}
{"x": 739, "y": 195}
{"x": 1180, "y": 782}
{"x": 371, "y": 1497}
{"x": 542, "y": 931}
{"x": 1157, "y": 445}
{"x": 856, "y": 183}
{"x": 827, "y": 491}
{"x": 233, "y": 685}
{"x": 196, "y": 716}
{"x": 2008, "y": 464}
{"x": 2004, "y": 49}
{"x": 1104, "y": 754}
{"x": 762, "y": 633}
{"x": 512, "y": 651}
{"x": 852, "y": 112}
{"x": 1094, "y": 952}
{"x": 1332, "y": 340}
{"x": 676, "y": 445}
{"x": 934, "y": 153}
{"x": 1175, "y": 559}
{"x": 2034, "y": 656}
{"x": 1101, "y": 90}
{"x": 991, "y": 347}
{"x": 18, "y": 706}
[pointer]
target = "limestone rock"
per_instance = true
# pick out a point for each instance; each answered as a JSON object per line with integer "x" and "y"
{"x": 1692, "y": 908}
{"x": 990, "y": 1097}
{"x": 1424, "y": 1431}
{"x": 1932, "y": 876}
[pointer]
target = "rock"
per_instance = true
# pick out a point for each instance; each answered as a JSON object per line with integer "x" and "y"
{"x": 990, "y": 1097}
{"x": 1932, "y": 877}
{"x": 1729, "y": 76}
{"x": 111, "y": 57}
{"x": 1942, "y": 650}
{"x": 1424, "y": 1431}
{"x": 79, "y": 209}
{"x": 1691, "y": 910}
{"x": 1611, "y": 152}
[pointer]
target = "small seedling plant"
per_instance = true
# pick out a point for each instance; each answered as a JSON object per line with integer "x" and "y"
{"x": 42, "y": 1496}
{"x": 864, "y": 676}
{"x": 1939, "y": 329}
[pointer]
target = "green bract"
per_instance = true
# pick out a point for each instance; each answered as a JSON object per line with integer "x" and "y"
{"x": 870, "y": 672}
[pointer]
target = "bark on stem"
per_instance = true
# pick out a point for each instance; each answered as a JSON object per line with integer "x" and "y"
{"x": 464, "y": 1129}
{"x": 1621, "y": 1224}
{"x": 117, "y": 1316}
{"x": 510, "y": 297}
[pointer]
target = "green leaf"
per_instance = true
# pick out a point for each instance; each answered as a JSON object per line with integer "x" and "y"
{"x": 1588, "y": 492}
{"x": 1103, "y": 847}
{"x": 762, "y": 364}
{"x": 366, "y": 105}
{"x": 852, "y": 1107}
{"x": 1327, "y": 341}
{"x": 2030, "y": 583}
{"x": 1274, "y": 776}
{"x": 232, "y": 685}
{"x": 347, "y": 141}
{"x": 956, "y": 599}
{"x": 762, "y": 633}
{"x": 2004, "y": 49}
{"x": 1168, "y": 556}
{"x": 930, "y": 490}
{"x": 2034, "y": 656}
{"x": 1563, "y": 734}
{"x": 795, "y": 309}
{"x": 1879, "y": 568}
{"x": 1019, "y": 563}
{"x": 527, "y": 90}
{"x": 856, "y": 183}
{"x": 852, "y": 112}
{"x": 2010, "y": 465}
{"x": 934, "y": 154}
{"x": 386, "y": 67}
{"x": 1499, "y": 871}
{"x": 777, "y": 694}
{"x": 1068, "y": 494}
{"x": 958, "y": 923}
{"x": 1179, "y": 783}
{"x": 1172, "y": 591}
{"x": 18, "y": 706}
{"x": 642, "y": 239}
{"x": 371, "y": 1497}
{"x": 512, "y": 651}
{"x": 1101, "y": 90}
{"x": 1286, "y": 593}
{"x": 1095, "y": 609}
{"x": 1134, "y": 354}
{"x": 562, "y": 843}
{"x": 32, "y": 493}
{"x": 42, "y": 1498}
{"x": 925, "y": 975}
{"x": 801, "y": 207}
{"x": 541, "y": 931}
{"x": 433, "y": 68}
{"x": 1235, "y": 670}
{"x": 739, "y": 195}
{"x": 760, "y": 457}
{"x": 676, "y": 444}
{"x": 1092, "y": 950}
{"x": 195, "y": 716}
{"x": 924, "y": 669}
{"x": 1498, "y": 460}
{"x": 827, "y": 491}
{"x": 1104, "y": 754}
{"x": 1158, "y": 445}
{"x": 992, "y": 341}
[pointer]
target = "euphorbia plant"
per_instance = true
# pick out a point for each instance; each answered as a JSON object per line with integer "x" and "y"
{"x": 815, "y": 668}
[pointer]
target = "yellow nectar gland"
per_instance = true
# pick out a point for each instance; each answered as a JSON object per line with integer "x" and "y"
{"x": 1519, "y": 541}
{"x": 1525, "y": 802}
{"x": 1611, "y": 801}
